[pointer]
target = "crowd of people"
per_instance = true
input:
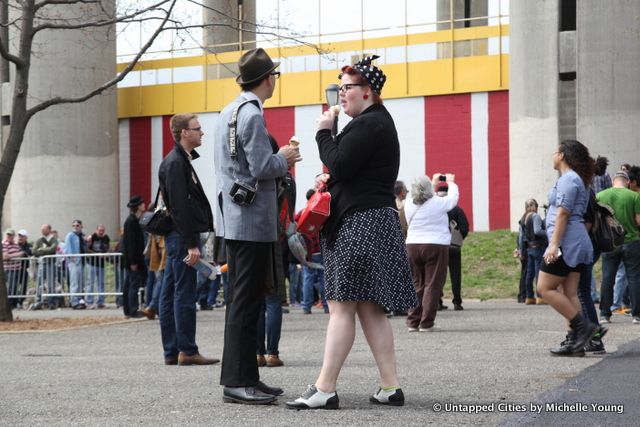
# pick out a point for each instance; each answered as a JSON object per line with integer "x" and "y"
{"x": 378, "y": 253}
{"x": 560, "y": 251}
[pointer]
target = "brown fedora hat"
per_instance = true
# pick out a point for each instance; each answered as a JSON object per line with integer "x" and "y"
{"x": 255, "y": 65}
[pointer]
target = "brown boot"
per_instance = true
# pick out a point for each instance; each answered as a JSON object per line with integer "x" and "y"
{"x": 530, "y": 301}
{"x": 541, "y": 301}
{"x": 195, "y": 359}
{"x": 261, "y": 360}
{"x": 273, "y": 360}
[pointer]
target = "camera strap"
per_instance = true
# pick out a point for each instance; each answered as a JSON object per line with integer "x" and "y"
{"x": 233, "y": 134}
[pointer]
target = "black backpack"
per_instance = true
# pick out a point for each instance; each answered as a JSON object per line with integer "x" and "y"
{"x": 607, "y": 234}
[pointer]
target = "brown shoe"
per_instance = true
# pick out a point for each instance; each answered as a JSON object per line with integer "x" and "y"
{"x": 150, "y": 313}
{"x": 195, "y": 359}
{"x": 530, "y": 301}
{"x": 261, "y": 360}
{"x": 171, "y": 360}
{"x": 541, "y": 301}
{"x": 273, "y": 360}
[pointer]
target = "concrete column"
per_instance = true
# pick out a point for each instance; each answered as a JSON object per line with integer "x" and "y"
{"x": 68, "y": 164}
{"x": 608, "y": 79}
{"x": 224, "y": 16}
{"x": 533, "y": 101}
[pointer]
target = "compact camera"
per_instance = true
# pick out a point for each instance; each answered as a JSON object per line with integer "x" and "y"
{"x": 242, "y": 194}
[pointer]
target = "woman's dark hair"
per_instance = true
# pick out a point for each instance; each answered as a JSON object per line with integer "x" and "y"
{"x": 348, "y": 69}
{"x": 576, "y": 155}
{"x": 601, "y": 165}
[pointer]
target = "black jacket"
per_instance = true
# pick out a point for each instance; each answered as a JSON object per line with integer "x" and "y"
{"x": 184, "y": 197}
{"x": 363, "y": 163}
{"x": 133, "y": 243}
{"x": 458, "y": 215}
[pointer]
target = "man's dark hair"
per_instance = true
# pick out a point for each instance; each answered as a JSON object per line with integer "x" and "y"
{"x": 601, "y": 165}
{"x": 398, "y": 188}
{"x": 248, "y": 86}
{"x": 634, "y": 174}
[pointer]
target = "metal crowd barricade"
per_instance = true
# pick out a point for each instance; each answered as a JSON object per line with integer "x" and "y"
{"x": 51, "y": 277}
{"x": 19, "y": 274}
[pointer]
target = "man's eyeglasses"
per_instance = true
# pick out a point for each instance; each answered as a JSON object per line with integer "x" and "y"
{"x": 196, "y": 129}
{"x": 275, "y": 74}
{"x": 348, "y": 86}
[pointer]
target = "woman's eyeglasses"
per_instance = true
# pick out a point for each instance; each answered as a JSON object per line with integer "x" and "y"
{"x": 346, "y": 87}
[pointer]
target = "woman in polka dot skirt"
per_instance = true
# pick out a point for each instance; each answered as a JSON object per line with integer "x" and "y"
{"x": 366, "y": 264}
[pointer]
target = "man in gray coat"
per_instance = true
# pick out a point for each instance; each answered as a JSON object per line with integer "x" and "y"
{"x": 246, "y": 216}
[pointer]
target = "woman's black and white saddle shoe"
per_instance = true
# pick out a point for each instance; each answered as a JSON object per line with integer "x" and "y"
{"x": 315, "y": 399}
{"x": 393, "y": 397}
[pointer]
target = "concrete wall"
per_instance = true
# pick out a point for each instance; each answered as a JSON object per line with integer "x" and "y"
{"x": 608, "y": 83}
{"x": 227, "y": 29}
{"x": 533, "y": 101}
{"x": 68, "y": 164}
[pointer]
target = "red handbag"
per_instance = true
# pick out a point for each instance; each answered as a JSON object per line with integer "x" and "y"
{"x": 316, "y": 212}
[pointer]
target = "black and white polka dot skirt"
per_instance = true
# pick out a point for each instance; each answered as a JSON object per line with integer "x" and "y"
{"x": 368, "y": 261}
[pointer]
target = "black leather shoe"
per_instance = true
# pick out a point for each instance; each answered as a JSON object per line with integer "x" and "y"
{"x": 246, "y": 395}
{"x": 567, "y": 350}
{"x": 274, "y": 391}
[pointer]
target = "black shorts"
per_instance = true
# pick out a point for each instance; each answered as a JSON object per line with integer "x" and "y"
{"x": 559, "y": 268}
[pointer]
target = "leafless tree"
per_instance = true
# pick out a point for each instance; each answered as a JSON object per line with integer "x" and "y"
{"x": 27, "y": 22}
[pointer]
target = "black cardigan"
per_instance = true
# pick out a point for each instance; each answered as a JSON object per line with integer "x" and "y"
{"x": 363, "y": 163}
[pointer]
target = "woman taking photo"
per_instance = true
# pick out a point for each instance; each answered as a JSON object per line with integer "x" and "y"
{"x": 428, "y": 239}
{"x": 366, "y": 266}
{"x": 569, "y": 250}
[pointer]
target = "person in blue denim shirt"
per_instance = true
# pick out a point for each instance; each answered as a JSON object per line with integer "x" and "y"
{"x": 570, "y": 249}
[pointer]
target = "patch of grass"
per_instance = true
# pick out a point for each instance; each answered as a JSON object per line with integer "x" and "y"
{"x": 489, "y": 269}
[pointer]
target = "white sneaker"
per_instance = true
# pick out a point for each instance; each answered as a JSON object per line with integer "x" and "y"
{"x": 636, "y": 320}
{"x": 434, "y": 328}
{"x": 315, "y": 399}
{"x": 412, "y": 329}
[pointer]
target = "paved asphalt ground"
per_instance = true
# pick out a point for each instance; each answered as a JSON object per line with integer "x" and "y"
{"x": 492, "y": 354}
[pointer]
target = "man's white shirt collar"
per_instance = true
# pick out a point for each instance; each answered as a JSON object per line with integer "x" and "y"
{"x": 250, "y": 96}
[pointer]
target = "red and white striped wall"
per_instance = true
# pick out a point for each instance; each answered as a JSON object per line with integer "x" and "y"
{"x": 464, "y": 134}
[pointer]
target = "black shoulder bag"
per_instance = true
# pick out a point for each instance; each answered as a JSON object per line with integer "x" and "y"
{"x": 157, "y": 222}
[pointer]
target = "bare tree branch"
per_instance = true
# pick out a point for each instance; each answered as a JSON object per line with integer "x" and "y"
{"x": 10, "y": 57}
{"x": 58, "y": 2}
{"x": 60, "y": 100}
{"x": 102, "y": 23}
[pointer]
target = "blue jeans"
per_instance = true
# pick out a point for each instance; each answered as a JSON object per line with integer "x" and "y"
{"x": 295, "y": 292}
{"x": 11, "y": 276}
{"x": 178, "y": 300}
{"x": 46, "y": 278}
{"x": 272, "y": 311}
{"x": 313, "y": 278}
{"x": 157, "y": 288}
{"x": 584, "y": 294}
{"x": 75, "y": 281}
{"x": 619, "y": 288}
{"x": 533, "y": 268}
{"x": 149, "y": 285}
{"x": 96, "y": 278}
{"x": 212, "y": 298}
{"x": 203, "y": 289}
{"x": 629, "y": 254}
